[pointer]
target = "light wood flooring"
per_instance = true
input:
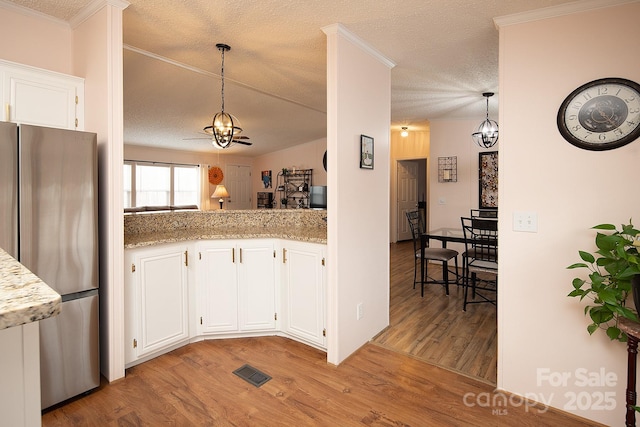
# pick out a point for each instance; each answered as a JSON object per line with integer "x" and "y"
{"x": 376, "y": 386}
{"x": 434, "y": 328}
{"x": 195, "y": 386}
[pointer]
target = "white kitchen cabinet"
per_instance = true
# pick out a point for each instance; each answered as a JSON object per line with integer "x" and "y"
{"x": 156, "y": 300}
{"x": 217, "y": 287}
{"x": 40, "y": 97}
{"x": 304, "y": 313}
{"x": 236, "y": 289}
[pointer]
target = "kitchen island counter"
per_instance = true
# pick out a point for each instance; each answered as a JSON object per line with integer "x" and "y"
{"x": 296, "y": 224}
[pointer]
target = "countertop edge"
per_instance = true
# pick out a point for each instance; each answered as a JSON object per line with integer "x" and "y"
{"x": 24, "y": 297}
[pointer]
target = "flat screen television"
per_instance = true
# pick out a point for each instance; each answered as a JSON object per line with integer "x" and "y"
{"x": 318, "y": 197}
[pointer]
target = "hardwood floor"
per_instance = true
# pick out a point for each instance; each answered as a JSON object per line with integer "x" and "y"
{"x": 195, "y": 386}
{"x": 434, "y": 328}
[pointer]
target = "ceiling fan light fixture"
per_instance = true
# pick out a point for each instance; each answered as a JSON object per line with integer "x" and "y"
{"x": 222, "y": 128}
{"x": 487, "y": 134}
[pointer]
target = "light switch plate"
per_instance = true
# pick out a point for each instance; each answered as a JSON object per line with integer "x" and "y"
{"x": 525, "y": 221}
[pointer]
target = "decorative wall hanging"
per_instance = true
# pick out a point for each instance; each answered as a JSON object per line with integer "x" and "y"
{"x": 488, "y": 178}
{"x": 366, "y": 152}
{"x": 448, "y": 169}
{"x": 215, "y": 175}
{"x": 266, "y": 179}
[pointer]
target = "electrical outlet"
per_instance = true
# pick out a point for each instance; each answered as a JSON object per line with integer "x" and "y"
{"x": 525, "y": 221}
{"x": 359, "y": 311}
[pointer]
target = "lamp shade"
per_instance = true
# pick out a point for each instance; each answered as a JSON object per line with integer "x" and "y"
{"x": 220, "y": 192}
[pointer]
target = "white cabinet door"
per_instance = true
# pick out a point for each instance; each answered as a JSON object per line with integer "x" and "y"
{"x": 40, "y": 97}
{"x": 256, "y": 283}
{"x": 159, "y": 314}
{"x": 217, "y": 287}
{"x": 304, "y": 291}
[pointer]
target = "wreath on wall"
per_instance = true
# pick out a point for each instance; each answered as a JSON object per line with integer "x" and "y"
{"x": 215, "y": 175}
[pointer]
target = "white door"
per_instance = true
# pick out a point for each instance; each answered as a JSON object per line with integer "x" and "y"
{"x": 217, "y": 287}
{"x": 256, "y": 285}
{"x": 238, "y": 180}
{"x": 407, "y": 191}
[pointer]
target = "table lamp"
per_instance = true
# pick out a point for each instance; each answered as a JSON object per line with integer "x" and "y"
{"x": 220, "y": 192}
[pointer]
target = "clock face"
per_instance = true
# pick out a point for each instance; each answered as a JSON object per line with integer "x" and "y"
{"x": 601, "y": 115}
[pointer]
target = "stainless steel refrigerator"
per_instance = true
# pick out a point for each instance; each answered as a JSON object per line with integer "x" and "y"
{"x": 49, "y": 222}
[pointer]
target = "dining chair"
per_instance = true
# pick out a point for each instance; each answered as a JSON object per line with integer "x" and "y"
{"x": 480, "y": 260}
{"x": 443, "y": 255}
{"x": 484, "y": 213}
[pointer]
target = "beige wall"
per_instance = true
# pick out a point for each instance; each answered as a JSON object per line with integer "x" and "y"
{"x": 206, "y": 159}
{"x": 571, "y": 190}
{"x": 358, "y": 102}
{"x": 42, "y": 43}
{"x": 303, "y": 156}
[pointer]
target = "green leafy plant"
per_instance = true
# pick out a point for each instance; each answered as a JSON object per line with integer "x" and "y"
{"x": 609, "y": 280}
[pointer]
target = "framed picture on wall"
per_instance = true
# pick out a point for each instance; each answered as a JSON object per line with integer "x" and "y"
{"x": 366, "y": 152}
{"x": 488, "y": 179}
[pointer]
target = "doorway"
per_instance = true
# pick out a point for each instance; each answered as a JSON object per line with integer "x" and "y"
{"x": 239, "y": 187}
{"x": 411, "y": 191}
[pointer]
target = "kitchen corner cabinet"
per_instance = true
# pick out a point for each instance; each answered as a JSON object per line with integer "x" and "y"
{"x": 303, "y": 299}
{"x": 40, "y": 97}
{"x": 156, "y": 299}
{"x": 236, "y": 289}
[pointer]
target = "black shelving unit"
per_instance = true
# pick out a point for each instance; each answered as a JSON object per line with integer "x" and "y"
{"x": 265, "y": 200}
{"x": 293, "y": 188}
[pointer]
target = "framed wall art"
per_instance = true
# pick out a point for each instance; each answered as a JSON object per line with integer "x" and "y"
{"x": 488, "y": 179}
{"x": 366, "y": 152}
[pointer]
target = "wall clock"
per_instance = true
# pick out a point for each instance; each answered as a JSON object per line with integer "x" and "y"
{"x": 601, "y": 115}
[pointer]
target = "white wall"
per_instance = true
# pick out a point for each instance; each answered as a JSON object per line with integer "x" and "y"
{"x": 358, "y": 102}
{"x": 571, "y": 190}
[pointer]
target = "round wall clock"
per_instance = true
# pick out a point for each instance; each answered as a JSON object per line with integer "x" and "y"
{"x": 601, "y": 115}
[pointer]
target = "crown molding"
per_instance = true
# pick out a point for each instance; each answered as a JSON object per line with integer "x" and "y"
{"x": 32, "y": 13}
{"x": 555, "y": 11}
{"x": 92, "y": 8}
{"x": 341, "y": 30}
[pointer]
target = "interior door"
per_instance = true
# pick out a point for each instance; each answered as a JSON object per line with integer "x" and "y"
{"x": 407, "y": 191}
{"x": 238, "y": 180}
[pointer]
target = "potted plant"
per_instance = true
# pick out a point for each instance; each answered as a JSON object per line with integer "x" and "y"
{"x": 613, "y": 268}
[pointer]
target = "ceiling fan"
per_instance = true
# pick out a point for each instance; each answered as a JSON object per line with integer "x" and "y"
{"x": 237, "y": 138}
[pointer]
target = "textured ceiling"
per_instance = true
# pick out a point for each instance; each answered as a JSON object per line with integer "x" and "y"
{"x": 446, "y": 55}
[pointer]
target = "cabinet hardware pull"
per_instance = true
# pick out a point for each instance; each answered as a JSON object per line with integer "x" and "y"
{"x": 135, "y": 343}
{"x": 133, "y": 268}
{"x": 240, "y": 255}
{"x": 233, "y": 255}
{"x": 186, "y": 258}
{"x": 284, "y": 256}
{"x": 323, "y": 262}
{"x": 324, "y": 332}
{"x": 274, "y": 253}
{"x": 201, "y": 320}
{"x": 275, "y": 316}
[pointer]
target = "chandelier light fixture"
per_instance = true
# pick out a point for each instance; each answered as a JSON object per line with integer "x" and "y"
{"x": 487, "y": 134}
{"x": 223, "y": 127}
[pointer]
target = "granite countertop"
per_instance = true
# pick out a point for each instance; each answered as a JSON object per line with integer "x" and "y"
{"x": 304, "y": 234}
{"x": 24, "y": 297}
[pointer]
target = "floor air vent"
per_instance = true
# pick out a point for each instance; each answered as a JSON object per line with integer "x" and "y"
{"x": 252, "y": 375}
